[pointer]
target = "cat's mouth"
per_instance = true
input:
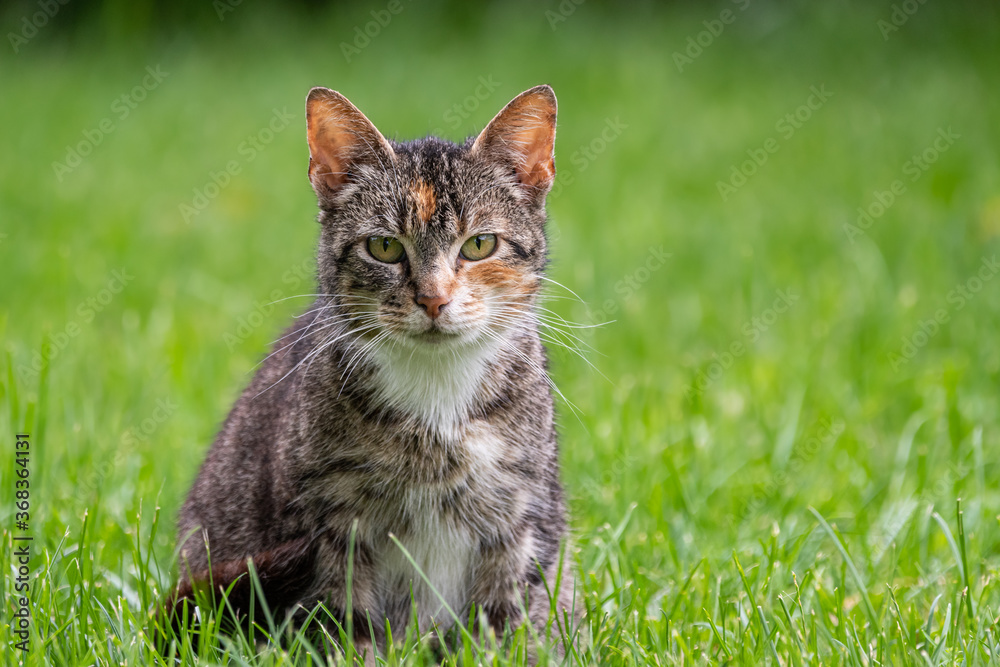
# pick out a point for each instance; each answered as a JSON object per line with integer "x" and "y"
{"x": 437, "y": 336}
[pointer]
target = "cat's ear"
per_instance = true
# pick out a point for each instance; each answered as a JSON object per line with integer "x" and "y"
{"x": 340, "y": 137}
{"x": 523, "y": 136}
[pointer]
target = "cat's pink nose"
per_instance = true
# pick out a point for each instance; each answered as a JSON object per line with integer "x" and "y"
{"x": 433, "y": 304}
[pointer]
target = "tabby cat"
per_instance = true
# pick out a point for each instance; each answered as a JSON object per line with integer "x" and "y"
{"x": 410, "y": 400}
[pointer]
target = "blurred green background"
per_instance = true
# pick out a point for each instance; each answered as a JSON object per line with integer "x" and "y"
{"x": 770, "y": 349}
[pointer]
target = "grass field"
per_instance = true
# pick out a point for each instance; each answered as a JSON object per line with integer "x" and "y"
{"x": 792, "y": 396}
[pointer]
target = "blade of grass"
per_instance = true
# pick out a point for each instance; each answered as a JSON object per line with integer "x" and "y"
{"x": 859, "y": 582}
{"x": 965, "y": 560}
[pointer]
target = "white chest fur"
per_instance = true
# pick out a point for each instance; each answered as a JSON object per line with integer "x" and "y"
{"x": 442, "y": 543}
{"x": 435, "y": 384}
{"x": 445, "y": 552}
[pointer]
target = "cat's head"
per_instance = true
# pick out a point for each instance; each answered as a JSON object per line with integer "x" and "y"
{"x": 428, "y": 242}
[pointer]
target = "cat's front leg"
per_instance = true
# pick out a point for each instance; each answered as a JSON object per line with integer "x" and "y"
{"x": 332, "y": 587}
{"x": 501, "y": 579}
{"x": 516, "y": 573}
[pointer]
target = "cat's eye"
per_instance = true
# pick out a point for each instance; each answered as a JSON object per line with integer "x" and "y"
{"x": 386, "y": 249}
{"x": 479, "y": 246}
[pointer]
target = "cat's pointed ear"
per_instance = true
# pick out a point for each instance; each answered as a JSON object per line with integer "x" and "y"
{"x": 523, "y": 135}
{"x": 340, "y": 136}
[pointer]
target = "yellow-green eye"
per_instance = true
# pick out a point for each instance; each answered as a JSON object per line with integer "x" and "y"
{"x": 479, "y": 247}
{"x": 386, "y": 249}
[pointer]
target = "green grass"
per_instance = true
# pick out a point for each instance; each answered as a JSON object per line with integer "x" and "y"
{"x": 798, "y": 506}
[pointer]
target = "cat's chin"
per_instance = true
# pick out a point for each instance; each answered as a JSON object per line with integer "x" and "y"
{"x": 436, "y": 337}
